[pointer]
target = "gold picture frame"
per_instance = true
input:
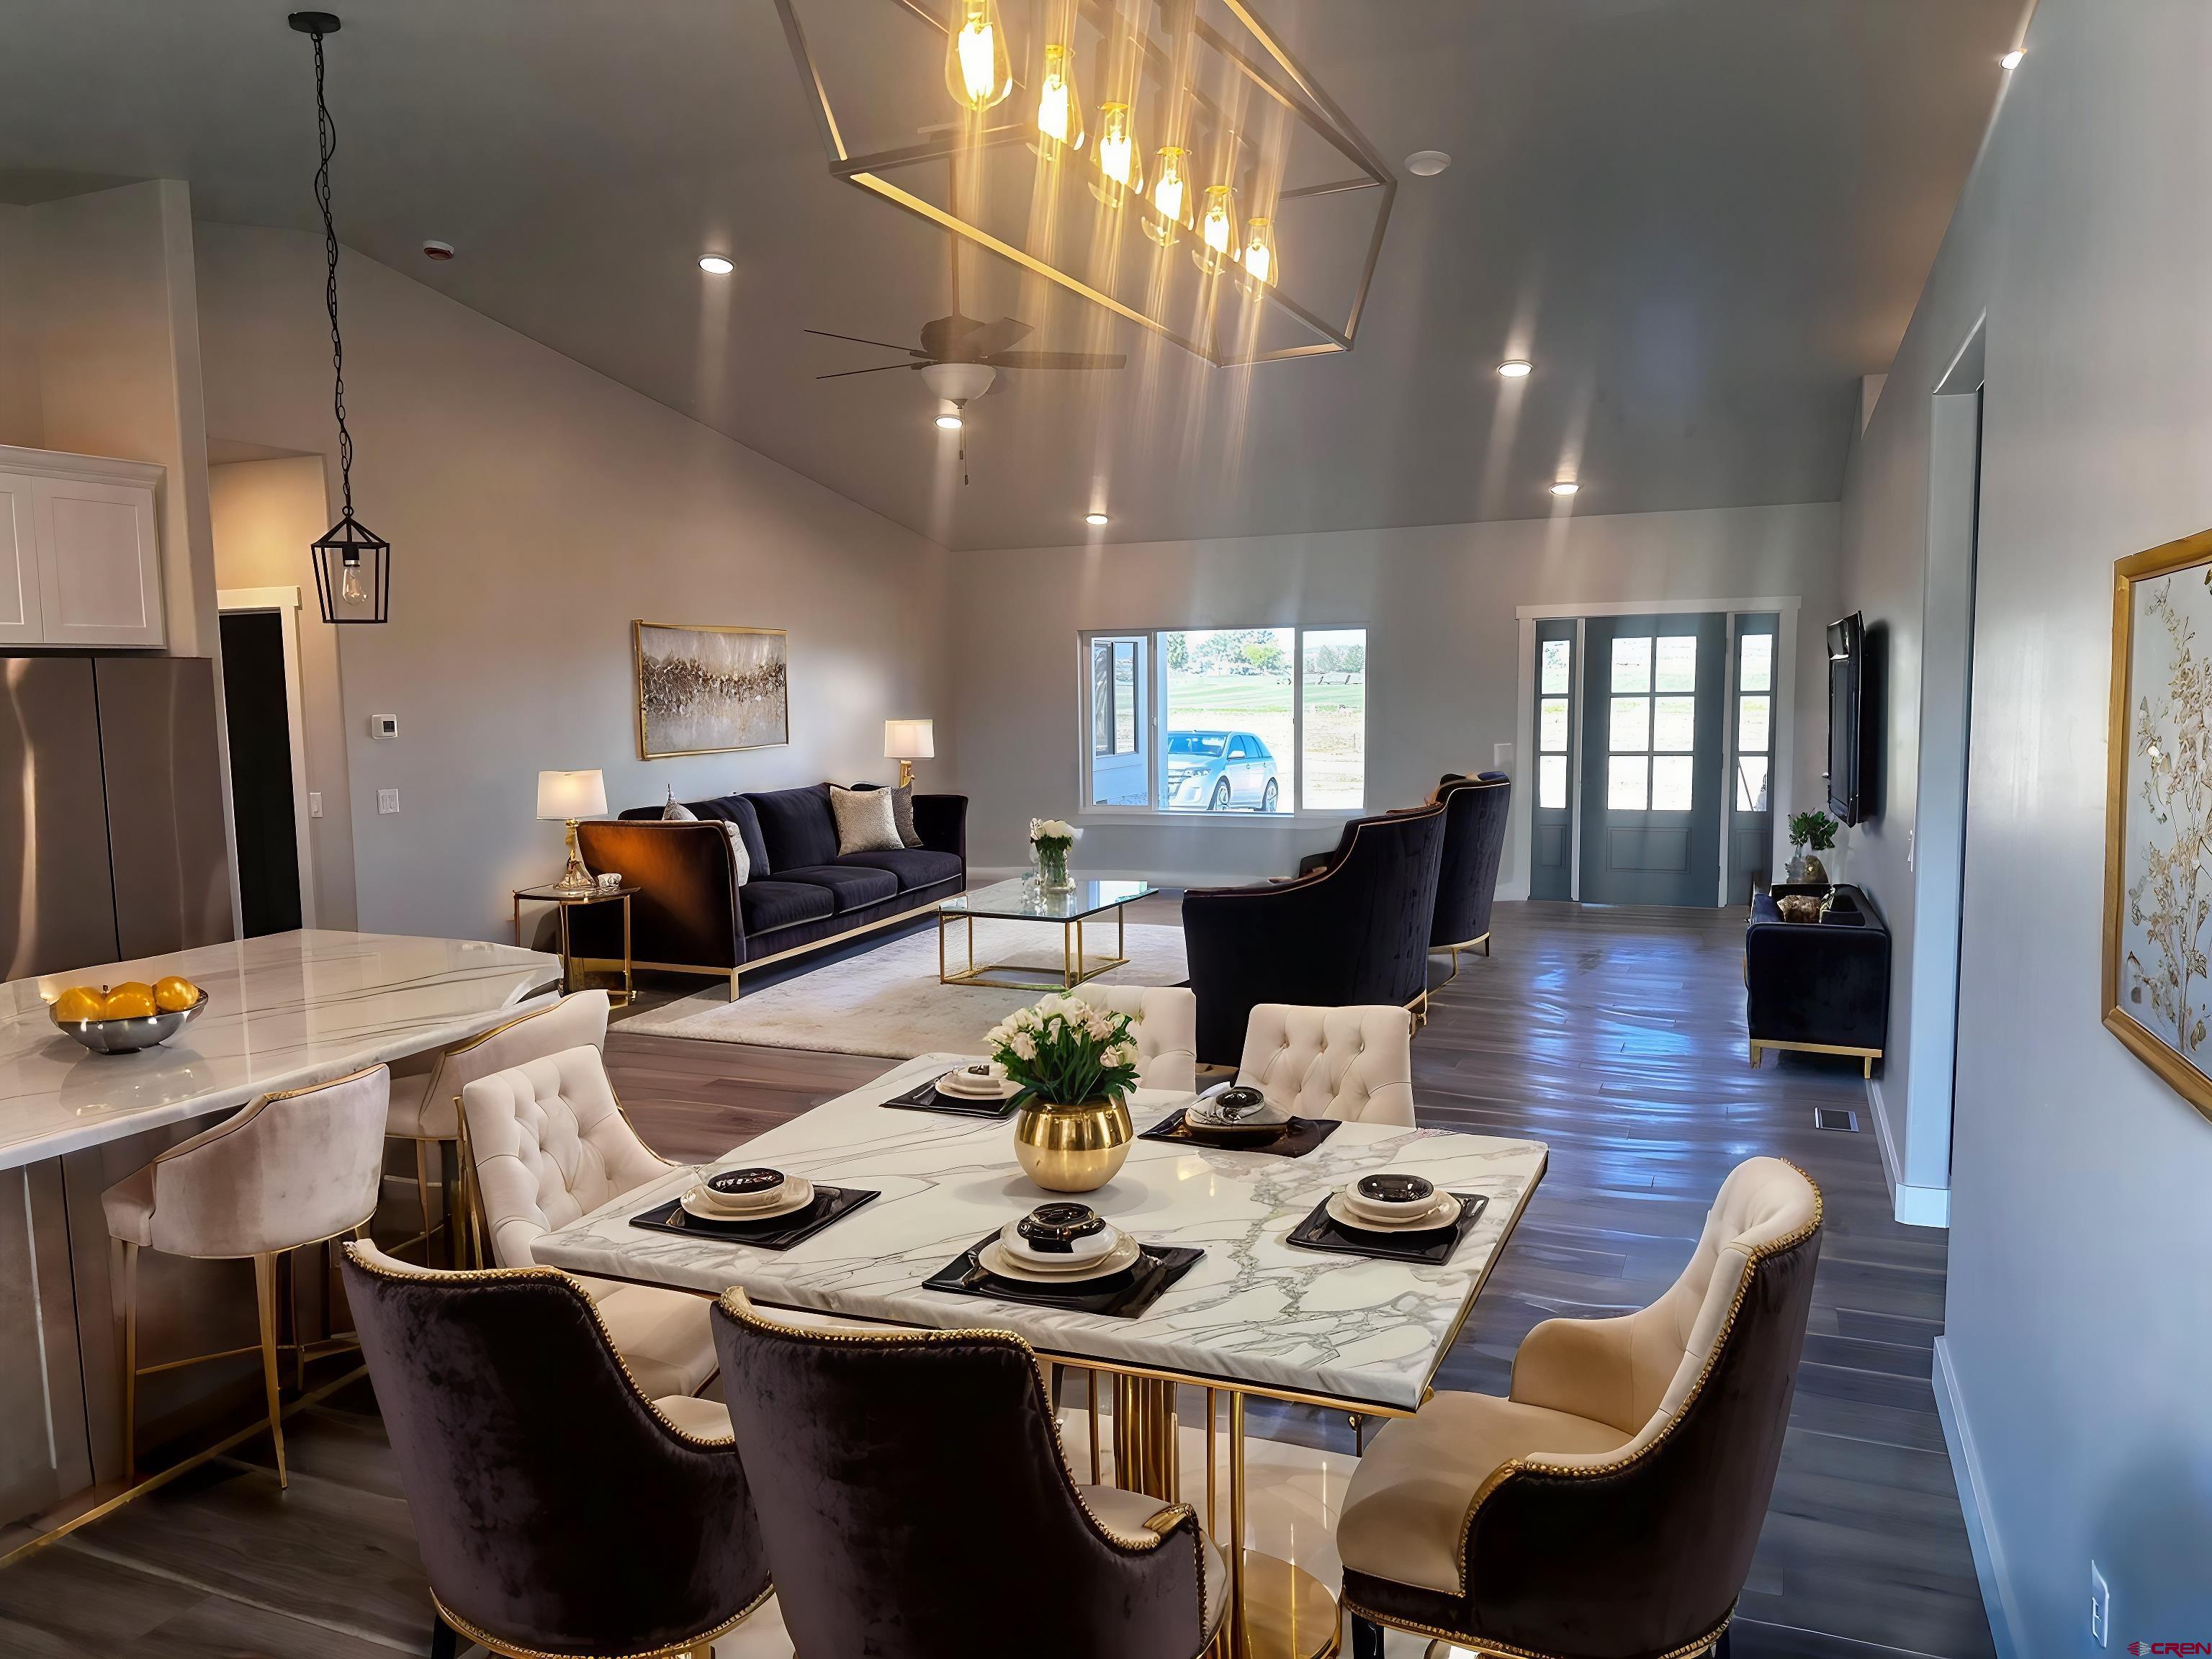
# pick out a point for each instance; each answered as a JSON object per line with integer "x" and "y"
{"x": 2158, "y": 897}
{"x": 698, "y": 684}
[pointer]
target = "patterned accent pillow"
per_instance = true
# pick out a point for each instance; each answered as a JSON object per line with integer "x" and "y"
{"x": 741, "y": 864}
{"x": 865, "y": 821}
{"x": 902, "y": 814}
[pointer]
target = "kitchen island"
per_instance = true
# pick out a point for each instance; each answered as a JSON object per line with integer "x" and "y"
{"x": 284, "y": 1011}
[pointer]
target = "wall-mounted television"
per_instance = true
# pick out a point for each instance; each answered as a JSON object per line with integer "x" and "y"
{"x": 1847, "y": 777}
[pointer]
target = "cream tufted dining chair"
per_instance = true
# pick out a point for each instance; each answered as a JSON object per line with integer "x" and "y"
{"x": 285, "y": 1171}
{"x": 1353, "y": 1063}
{"x": 426, "y": 1096}
{"x": 549, "y": 1143}
{"x": 1167, "y": 1030}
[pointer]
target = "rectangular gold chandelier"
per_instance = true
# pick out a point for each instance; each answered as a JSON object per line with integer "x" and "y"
{"x": 1168, "y": 161}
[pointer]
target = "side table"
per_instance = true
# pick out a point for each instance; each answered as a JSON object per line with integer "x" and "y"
{"x": 565, "y": 900}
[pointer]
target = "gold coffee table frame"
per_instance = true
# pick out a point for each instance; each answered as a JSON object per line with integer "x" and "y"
{"x": 1076, "y": 964}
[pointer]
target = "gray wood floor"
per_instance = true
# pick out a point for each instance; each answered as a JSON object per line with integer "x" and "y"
{"x": 1613, "y": 1034}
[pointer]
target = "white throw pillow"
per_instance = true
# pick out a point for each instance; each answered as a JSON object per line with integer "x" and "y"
{"x": 741, "y": 864}
{"x": 865, "y": 821}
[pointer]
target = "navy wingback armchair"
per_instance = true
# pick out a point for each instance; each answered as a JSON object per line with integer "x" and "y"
{"x": 1467, "y": 881}
{"x": 1354, "y": 930}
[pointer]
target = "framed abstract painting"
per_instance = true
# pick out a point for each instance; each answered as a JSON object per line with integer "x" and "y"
{"x": 2158, "y": 814}
{"x": 701, "y": 690}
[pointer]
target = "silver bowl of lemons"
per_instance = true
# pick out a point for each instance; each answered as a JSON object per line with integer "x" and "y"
{"x": 121, "y": 1019}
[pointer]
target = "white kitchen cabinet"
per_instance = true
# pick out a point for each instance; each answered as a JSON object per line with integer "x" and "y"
{"x": 79, "y": 551}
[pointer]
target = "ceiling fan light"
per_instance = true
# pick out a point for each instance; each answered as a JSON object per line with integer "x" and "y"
{"x": 948, "y": 422}
{"x": 978, "y": 72}
{"x": 1059, "y": 110}
{"x": 955, "y": 383}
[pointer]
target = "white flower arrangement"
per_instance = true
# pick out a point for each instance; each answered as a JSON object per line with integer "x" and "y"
{"x": 1053, "y": 839}
{"x": 1044, "y": 832}
{"x": 1066, "y": 1052}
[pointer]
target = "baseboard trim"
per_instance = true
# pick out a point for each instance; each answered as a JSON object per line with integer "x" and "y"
{"x": 1915, "y": 1207}
{"x": 1981, "y": 1534}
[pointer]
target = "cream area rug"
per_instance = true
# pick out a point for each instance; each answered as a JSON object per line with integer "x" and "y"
{"x": 888, "y": 1001}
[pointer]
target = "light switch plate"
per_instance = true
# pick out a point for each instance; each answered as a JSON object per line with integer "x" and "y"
{"x": 314, "y": 803}
{"x": 387, "y": 800}
{"x": 2101, "y": 1608}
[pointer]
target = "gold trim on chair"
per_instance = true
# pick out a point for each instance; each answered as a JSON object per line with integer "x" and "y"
{"x": 701, "y": 1646}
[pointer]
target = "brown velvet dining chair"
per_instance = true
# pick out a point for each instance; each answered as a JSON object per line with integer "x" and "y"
{"x": 916, "y": 1504}
{"x": 1608, "y": 1506}
{"x": 560, "y": 1511}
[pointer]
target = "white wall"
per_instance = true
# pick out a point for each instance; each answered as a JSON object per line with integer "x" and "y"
{"x": 2079, "y": 1319}
{"x": 534, "y": 508}
{"x": 1444, "y": 677}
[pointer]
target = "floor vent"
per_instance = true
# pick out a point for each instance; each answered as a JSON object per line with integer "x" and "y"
{"x": 1835, "y": 1117}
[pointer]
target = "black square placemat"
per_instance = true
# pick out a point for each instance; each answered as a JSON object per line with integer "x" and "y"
{"x": 1432, "y": 1246}
{"x": 1119, "y": 1296}
{"x": 1300, "y": 1136}
{"x": 777, "y": 1233}
{"x": 926, "y": 1096}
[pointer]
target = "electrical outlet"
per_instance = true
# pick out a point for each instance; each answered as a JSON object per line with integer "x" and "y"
{"x": 387, "y": 800}
{"x": 2101, "y": 1608}
{"x": 314, "y": 803}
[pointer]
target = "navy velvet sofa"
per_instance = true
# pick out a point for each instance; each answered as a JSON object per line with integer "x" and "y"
{"x": 801, "y": 891}
{"x": 1821, "y": 987}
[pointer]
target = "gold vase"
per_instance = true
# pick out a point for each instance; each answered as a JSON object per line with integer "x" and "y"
{"x": 1072, "y": 1149}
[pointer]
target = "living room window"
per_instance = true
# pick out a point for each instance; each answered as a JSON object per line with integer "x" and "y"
{"x": 1247, "y": 720}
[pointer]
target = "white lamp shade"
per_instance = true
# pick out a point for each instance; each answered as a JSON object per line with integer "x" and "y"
{"x": 571, "y": 795}
{"x": 909, "y": 740}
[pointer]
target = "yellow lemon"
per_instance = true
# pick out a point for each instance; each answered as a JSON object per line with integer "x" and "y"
{"x": 174, "y": 992}
{"x": 80, "y": 1002}
{"x": 132, "y": 1002}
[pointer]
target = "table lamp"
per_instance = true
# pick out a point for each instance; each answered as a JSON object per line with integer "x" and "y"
{"x": 907, "y": 742}
{"x": 567, "y": 796}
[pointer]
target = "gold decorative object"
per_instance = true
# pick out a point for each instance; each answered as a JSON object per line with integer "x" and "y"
{"x": 1798, "y": 906}
{"x": 1072, "y": 1149}
{"x": 2157, "y": 994}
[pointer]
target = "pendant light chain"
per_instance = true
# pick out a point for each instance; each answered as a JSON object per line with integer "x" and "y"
{"x": 326, "y": 137}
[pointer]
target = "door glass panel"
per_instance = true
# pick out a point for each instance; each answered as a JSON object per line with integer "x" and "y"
{"x": 1673, "y": 723}
{"x": 1632, "y": 723}
{"x": 1751, "y": 783}
{"x": 1551, "y": 723}
{"x": 1757, "y": 671}
{"x": 1626, "y": 778}
{"x": 1671, "y": 783}
{"x": 1552, "y": 783}
{"x": 1752, "y": 728}
{"x": 1557, "y": 655}
{"x": 1676, "y": 663}
{"x": 1632, "y": 664}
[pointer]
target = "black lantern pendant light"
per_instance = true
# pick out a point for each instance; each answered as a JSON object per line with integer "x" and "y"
{"x": 353, "y": 563}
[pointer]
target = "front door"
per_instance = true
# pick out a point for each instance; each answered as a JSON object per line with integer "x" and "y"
{"x": 1654, "y": 744}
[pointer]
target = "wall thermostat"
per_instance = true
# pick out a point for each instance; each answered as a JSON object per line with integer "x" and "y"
{"x": 383, "y": 726}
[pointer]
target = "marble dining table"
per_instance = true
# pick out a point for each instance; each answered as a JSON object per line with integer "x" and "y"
{"x": 1256, "y": 1314}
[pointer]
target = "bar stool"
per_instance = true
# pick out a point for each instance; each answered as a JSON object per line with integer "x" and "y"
{"x": 426, "y": 1102}
{"x": 285, "y": 1171}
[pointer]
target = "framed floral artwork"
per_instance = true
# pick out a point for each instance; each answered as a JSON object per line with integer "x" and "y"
{"x": 2158, "y": 814}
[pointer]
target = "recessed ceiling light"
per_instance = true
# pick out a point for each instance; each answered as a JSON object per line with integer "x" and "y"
{"x": 439, "y": 251}
{"x": 950, "y": 423}
{"x": 1565, "y": 487}
{"x": 1095, "y": 519}
{"x": 1514, "y": 369}
{"x": 715, "y": 266}
{"x": 2011, "y": 59}
{"x": 1427, "y": 163}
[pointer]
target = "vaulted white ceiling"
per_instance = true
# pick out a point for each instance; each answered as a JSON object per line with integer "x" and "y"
{"x": 1702, "y": 219}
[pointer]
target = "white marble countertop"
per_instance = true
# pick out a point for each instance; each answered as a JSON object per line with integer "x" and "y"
{"x": 1254, "y": 1311}
{"x": 284, "y": 1011}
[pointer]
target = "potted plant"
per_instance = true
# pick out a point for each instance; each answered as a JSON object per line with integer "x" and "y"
{"x": 1818, "y": 831}
{"x": 1075, "y": 1065}
{"x": 1051, "y": 840}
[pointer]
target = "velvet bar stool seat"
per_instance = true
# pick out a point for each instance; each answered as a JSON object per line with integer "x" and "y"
{"x": 426, "y": 1099}
{"x": 1606, "y": 1508}
{"x": 916, "y": 1504}
{"x": 285, "y": 1171}
{"x": 549, "y": 1143}
{"x": 1353, "y": 1063}
{"x": 562, "y": 1510}
{"x": 1166, "y": 1030}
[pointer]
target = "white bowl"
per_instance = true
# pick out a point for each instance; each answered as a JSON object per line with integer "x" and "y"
{"x": 1442, "y": 1213}
{"x": 1418, "y": 1196}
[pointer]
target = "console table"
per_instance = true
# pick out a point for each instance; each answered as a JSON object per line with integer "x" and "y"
{"x": 1821, "y": 986}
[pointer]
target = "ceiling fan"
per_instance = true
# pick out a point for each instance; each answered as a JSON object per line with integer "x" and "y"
{"x": 960, "y": 358}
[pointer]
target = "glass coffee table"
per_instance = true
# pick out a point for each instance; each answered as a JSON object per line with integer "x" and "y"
{"x": 1023, "y": 900}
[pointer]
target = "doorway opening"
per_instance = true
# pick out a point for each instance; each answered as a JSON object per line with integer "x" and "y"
{"x": 268, "y": 760}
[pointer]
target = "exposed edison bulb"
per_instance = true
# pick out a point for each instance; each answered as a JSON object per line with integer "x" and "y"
{"x": 1170, "y": 194}
{"x": 351, "y": 589}
{"x": 1217, "y": 226}
{"x": 1260, "y": 249}
{"x": 978, "y": 71}
{"x": 1119, "y": 159}
{"x": 1060, "y": 111}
